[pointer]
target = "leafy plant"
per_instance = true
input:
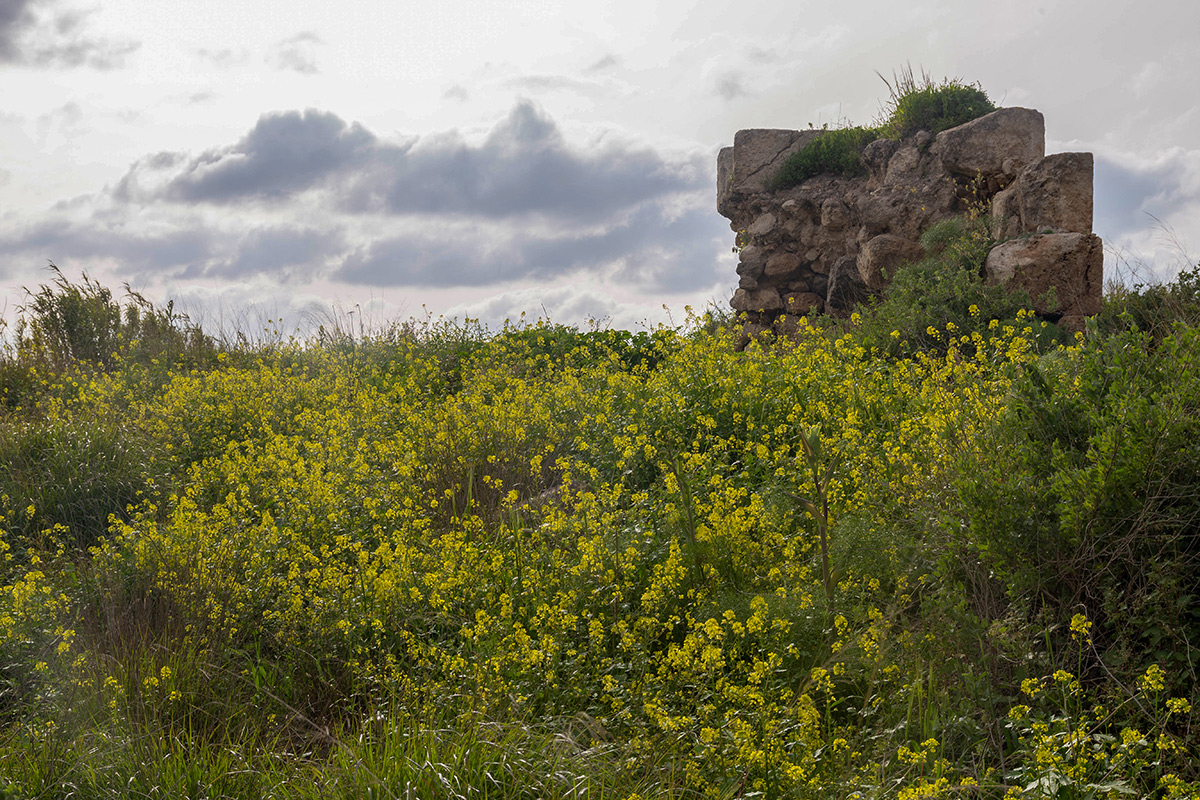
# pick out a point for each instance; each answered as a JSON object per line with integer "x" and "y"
{"x": 915, "y": 105}
{"x": 920, "y": 104}
{"x": 835, "y": 152}
{"x": 944, "y": 296}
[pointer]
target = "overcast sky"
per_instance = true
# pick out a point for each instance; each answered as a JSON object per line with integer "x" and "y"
{"x": 480, "y": 158}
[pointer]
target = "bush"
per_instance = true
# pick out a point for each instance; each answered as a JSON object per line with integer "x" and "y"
{"x": 946, "y": 290}
{"x": 63, "y": 324}
{"x": 1153, "y": 309}
{"x": 922, "y": 105}
{"x": 834, "y": 152}
{"x": 915, "y": 105}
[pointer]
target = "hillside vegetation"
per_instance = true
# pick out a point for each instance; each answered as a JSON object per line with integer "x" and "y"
{"x": 903, "y": 556}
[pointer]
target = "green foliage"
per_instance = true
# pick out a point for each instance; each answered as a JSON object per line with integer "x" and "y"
{"x": 922, "y": 105}
{"x": 548, "y": 562}
{"x": 834, "y": 152}
{"x": 915, "y": 105}
{"x": 944, "y": 296}
{"x": 1155, "y": 308}
{"x": 72, "y": 474}
{"x": 66, "y": 323}
{"x": 1090, "y": 503}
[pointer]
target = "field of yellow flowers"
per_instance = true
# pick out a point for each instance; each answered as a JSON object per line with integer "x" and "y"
{"x": 437, "y": 562}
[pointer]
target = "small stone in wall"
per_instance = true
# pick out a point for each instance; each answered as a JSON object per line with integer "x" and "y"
{"x": 764, "y": 299}
{"x": 782, "y": 264}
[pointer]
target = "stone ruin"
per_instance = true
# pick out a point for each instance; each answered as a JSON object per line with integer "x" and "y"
{"x": 832, "y": 242}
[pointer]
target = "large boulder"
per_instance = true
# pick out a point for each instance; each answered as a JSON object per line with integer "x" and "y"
{"x": 1062, "y": 272}
{"x": 758, "y": 154}
{"x": 996, "y": 145}
{"x": 1053, "y": 195}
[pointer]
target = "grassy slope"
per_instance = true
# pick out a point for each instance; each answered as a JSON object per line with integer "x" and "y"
{"x": 552, "y": 563}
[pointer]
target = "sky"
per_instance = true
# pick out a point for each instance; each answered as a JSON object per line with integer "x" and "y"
{"x": 310, "y": 161}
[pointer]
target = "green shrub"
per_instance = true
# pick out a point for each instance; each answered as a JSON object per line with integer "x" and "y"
{"x": 65, "y": 323}
{"x": 943, "y": 289}
{"x": 1084, "y": 499}
{"x": 922, "y": 105}
{"x": 835, "y": 152}
{"x": 915, "y": 105}
{"x": 1154, "y": 309}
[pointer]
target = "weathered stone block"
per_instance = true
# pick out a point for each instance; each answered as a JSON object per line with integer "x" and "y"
{"x": 1016, "y": 136}
{"x": 724, "y": 180}
{"x": 803, "y": 303}
{"x": 904, "y": 168}
{"x": 762, "y": 226}
{"x": 782, "y": 264}
{"x": 1063, "y": 272}
{"x": 758, "y": 153}
{"x": 1052, "y": 195}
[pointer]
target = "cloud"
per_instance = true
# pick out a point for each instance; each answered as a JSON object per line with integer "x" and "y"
{"x": 602, "y": 65}
{"x": 137, "y": 252}
{"x": 522, "y": 167}
{"x": 296, "y": 53}
{"x": 1128, "y": 191}
{"x": 15, "y": 19}
{"x": 284, "y": 155}
{"x": 224, "y": 58}
{"x": 32, "y": 33}
{"x": 731, "y": 86}
{"x": 305, "y": 196}
{"x": 646, "y": 250}
{"x": 285, "y": 253}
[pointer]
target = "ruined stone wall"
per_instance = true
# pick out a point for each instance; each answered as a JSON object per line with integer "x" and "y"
{"x": 832, "y": 242}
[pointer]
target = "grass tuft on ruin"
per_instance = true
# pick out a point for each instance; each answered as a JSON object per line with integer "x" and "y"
{"x": 915, "y": 104}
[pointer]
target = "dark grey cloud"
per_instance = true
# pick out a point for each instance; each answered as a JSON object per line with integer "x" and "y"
{"x": 646, "y": 250}
{"x": 523, "y": 167}
{"x": 33, "y": 33}
{"x": 283, "y": 155}
{"x": 520, "y": 204}
{"x": 137, "y": 252}
{"x": 296, "y": 53}
{"x": 285, "y": 253}
{"x": 15, "y": 19}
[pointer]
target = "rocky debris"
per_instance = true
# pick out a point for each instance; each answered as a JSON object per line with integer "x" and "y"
{"x": 832, "y": 242}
